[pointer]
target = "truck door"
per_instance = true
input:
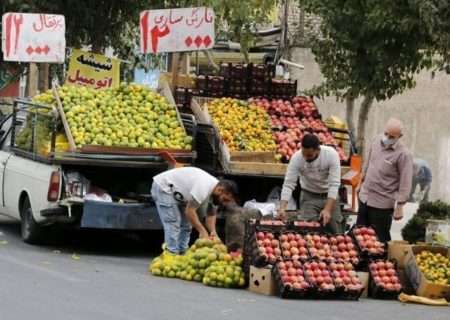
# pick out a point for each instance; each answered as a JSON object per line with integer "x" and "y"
{"x": 5, "y": 137}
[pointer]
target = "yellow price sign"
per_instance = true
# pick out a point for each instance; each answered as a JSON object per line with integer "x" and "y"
{"x": 93, "y": 70}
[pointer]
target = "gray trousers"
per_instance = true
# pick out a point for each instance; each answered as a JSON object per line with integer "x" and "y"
{"x": 422, "y": 185}
{"x": 312, "y": 204}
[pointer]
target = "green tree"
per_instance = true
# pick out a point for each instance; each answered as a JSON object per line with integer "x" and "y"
{"x": 369, "y": 50}
{"x": 436, "y": 20}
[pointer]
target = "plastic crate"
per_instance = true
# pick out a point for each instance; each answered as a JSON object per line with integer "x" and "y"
{"x": 300, "y": 227}
{"x": 256, "y": 258}
{"x": 364, "y": 254}
{"x": 378, "y": 292}
{"x": 342, "y": 291}
{"x": 318, "y": 292}
{"x": 288, "y": 292}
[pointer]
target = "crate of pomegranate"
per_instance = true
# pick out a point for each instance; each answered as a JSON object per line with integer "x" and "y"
{"x": 304, "y": 226}
{"x": 252, "y": 226}
{"x": 263, "y": 249}
{"x": 320, "y": 277}
{"x": 290, "y": 280}
{"x": 385, "y": 281}
{"x": 348, "y": 285}
{"x": 368, "y": 243}
{"x": 294, "y": 246}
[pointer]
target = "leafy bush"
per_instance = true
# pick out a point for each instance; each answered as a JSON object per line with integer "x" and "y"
{"x": 414, "y": 230}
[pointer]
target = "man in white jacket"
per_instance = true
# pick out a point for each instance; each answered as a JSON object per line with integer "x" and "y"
{"x": 319, "y": 170}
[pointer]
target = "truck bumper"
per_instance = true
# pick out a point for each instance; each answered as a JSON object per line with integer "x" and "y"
{"x": 55, "y": 212}
{"x": 120, "y": 216}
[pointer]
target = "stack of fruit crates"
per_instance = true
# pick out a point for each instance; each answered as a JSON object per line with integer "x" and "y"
{"x": 308, "y": 264}
{"x": 237, "y": 77}
{"x": 212, "y": 86}
{"x": 260, "y": 76}
{"x": 283, "y": 89}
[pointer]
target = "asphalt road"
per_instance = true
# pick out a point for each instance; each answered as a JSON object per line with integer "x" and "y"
{"x": 97, "y": 276}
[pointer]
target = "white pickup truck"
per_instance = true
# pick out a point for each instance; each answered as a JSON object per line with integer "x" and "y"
{"x": 50, "y": 190}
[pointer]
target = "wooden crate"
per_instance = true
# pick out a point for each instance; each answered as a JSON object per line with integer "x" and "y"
{"x": 164, "y": 90}
{"x": 258, "y": 168}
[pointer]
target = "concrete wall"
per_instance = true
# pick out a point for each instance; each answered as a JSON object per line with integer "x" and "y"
{"x": 425, "y": 110}
{"x": 301, "y": 25}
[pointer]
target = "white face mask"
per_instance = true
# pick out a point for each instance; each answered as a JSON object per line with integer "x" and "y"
{"x": 388, "y": 141}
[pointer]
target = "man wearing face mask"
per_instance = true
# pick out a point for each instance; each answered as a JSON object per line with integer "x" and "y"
{"x": 386, "y": 181}
{"x": 319, "y": 170}
{"x": 180, "y": 195}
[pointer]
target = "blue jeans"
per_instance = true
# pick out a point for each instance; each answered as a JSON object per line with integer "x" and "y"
{"x": 177, "y": 228}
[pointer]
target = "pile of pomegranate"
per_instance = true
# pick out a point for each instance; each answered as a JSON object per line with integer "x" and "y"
{"x": 318, "y": 274}
{"x": 367, "y": 240}
{"x": 291, "y": 120}
{"x": 319, "y": 246}
{"x": 342, "y": 248}
{"x": 292, "y": 275}
{"x": 293, "y": 246}
{"x": 345, "y": 276}
{"x": 384, "y": 275}
{"x": 268, "y": 246}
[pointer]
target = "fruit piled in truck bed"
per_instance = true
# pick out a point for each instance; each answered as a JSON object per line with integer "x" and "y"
{"x": 291, "y": 120}
{"x": 43, "y": 128}
{"x": 130, "y": 116}
{"x": 243, "y": 126}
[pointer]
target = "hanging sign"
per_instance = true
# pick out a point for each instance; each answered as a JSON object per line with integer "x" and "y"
{"x": 28, "y": 37}
{"x": 172, "y": 30}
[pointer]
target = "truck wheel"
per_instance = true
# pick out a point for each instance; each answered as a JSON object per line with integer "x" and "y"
{"x": 31, "y": 231}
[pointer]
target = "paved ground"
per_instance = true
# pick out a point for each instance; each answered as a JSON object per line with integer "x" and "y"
{"x": 104, "y": 277}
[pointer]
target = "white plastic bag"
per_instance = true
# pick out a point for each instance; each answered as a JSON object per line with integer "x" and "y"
{"x": 95, "y": 197}
{"x": 266, "y": 208}
{"x": 275, "y": 196}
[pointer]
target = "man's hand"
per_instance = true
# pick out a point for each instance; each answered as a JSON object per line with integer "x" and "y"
{"x": 358, "y": 188}
{"x": 325, "y": 216}
{"x": 398, "y": 212}
{"x": 281, "y": 214}
{"x": 203, "y": 234}
{"x": 213, "y": 234}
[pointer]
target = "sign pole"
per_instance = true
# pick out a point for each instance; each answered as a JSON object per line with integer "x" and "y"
{"x": 33, "y": 79}
{"x": 175, "y": 68}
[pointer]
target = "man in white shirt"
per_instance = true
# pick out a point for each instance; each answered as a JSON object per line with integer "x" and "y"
{"x": 319, "y": 170}
{"x": 179, "y": 194}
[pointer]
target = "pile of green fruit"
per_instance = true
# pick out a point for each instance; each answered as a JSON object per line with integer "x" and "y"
{"x": 224, "y": 274}
{"x": 207, "y": 261}
{"x": 434, "y": 266}
{"x": 167, "y": 266}
{"x": 43, "y": 125}
{"x": 131, "y": 115}
{"x": 199, "y": 257}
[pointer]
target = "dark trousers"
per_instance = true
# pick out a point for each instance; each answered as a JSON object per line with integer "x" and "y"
{"x": 380, "y": 219}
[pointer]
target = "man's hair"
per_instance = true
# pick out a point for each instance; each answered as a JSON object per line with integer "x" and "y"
{"x": 310, "y": 141}
{"x": 229, "y": 186}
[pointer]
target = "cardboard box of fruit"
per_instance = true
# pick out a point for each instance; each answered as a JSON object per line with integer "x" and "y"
{"x": 428, "y": 269}
{"x": 397, "y": 251}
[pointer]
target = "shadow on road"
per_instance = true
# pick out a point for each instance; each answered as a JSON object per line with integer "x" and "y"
{"x": 93, "y": 242}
